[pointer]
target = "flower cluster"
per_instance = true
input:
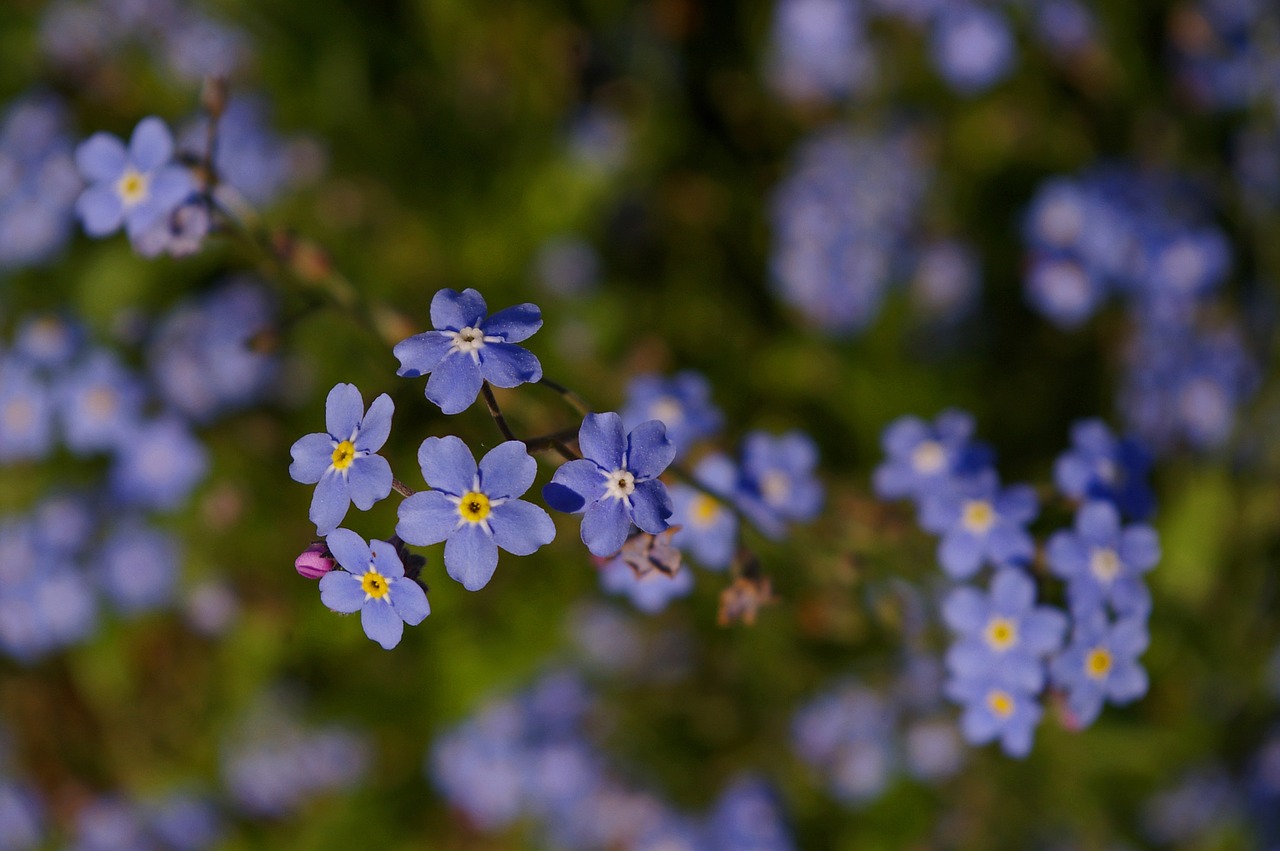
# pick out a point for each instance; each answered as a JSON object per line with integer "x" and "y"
{"x": 38, "y": 181}
{"x": 1009, "y": 649}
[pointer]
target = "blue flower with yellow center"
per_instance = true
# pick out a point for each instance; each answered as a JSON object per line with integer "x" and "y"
{"x": 682, "y": 403}
{"x": 980, "y": 522}
{"x": 1101, "y": 664}
{"x": 474, "y": 509}
{"x": 1103, "y": 561}
{"x": 373, "y": 583}
{"x": 342, "y": 462}
{"x": 777, "y": 482}
{"x": 708, "y": 528}
{"x": 995, "y": 708}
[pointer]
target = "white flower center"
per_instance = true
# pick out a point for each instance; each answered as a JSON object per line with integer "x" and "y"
{"x": 928, "y": 457}
{"x": 469, "y": 340}
{"x": 978, "y": 516}
{"x": 775, "y": 486}
{"x": 1104, "y": 564}
{"x": 667, "y": 410}
{"x": 619, "y": 484}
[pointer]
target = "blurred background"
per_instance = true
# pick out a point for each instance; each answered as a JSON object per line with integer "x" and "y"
{"x": 837, "y": 212}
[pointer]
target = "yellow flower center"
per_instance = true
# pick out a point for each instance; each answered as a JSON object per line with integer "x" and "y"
{"x": 132, "y": 187}
{"x": 1001, "y": 634}
{"x": 704, "y": 510}
{"x": 978, "y": 516}
{"x": 1104, "y": 564}
{"x": 928, "y": 457}
{"x": 474, "y": 507}
{"x": 343, "y": 454}
{"x": 667, "y": 409}
{"x": 1000, "y": 702}
{"x": 1098, "y": 663}
{"x": 375, "y": 584}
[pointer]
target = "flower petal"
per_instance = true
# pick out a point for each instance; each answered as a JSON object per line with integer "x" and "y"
{"x": 384, "y": 556}
{"x": 421, "y": 353}
{"x": 521, "y": 527}
{"x": 509, "y": 365}
{"x": 101, "y": 158}
{"x": 507, "y": 470}
{"x": 574, "y": 486}
{"x": 349, "y": 549}
{"x": 471, "y": 556}
{"x": 452, "y": 310}
{"x": 330, "y": 501}
{"x": 312, "y": 455}
{"x": 170, "y": 187}
{"x": 965, "y": 610}
{"x": 100, "y": 210}
{"x": 605, "y": 527}
{"x": 368, "y": 480}
{"x": 447, "y": 464}
{"x": 514, "y": 324}
{"x": 376, "y": 425}
{"x": 343, "y": 409}
{"x": 651, "y": 506}
{"x": 960, "y": 554}
{"x": 381, "y": 623}
{"x": 426, "y": 518}
{"x": 455, "y": 383}
{"x": 1099, "y": 522}
{"x": 410, "y": 601}
{"x": 1012, "y": 591}
{"x": 341, "y": 592}
{"x": 649, "y": 450}
{"x": 602, "y": 440}
{"x": 151, "y": 145}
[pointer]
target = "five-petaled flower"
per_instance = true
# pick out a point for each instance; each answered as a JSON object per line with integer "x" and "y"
{"x": 474, "y": 510}
{"x": 615, "y": 482}
{"x": 468, "y": 347}
{"x": 374, "y": 585}
{"x": 341, "y": 463}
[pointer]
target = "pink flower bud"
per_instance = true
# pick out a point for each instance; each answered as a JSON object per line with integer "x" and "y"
{"x": 314, "y": 562}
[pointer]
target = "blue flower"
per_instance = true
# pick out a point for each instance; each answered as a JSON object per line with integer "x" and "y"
{"x": 995, "y": 709}
{"x": 1063, "y": 290}
{"x": 615, "y": 482}
{"x": 748, "y": 814}
{"x": 159, "y": 464}
{"x": 373, "y": 584}
{"x": 819, "y": 50}
{"x": 26, "y": 421}
{"x": 922, "y": 457}
{"x": 777, "y": 481}
{"x": 136, "y": 186}
{"x": 973, "y": 47}
{"x": 1101, "y": 664}
{"x": 1103, "y": 562}
{"x": 649, "y": 593}
{"x": 100, "y": 402}
{"x": 1002, "y": 632}
{"x": 342, "y": 463}
{"x": 682, "y": 403}
{"x": 38, "y": 181}
{"x": 846, "y": 733}
{"x": 708, "y": 529}
{"x": 470, "y": 347}
{"x": 475, "y": 510}
{"x": 1103, "y": 467}
{"x": 980, "y": 522}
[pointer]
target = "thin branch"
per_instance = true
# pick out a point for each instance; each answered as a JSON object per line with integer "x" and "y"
{"x": 401, "y": 488}
{"x": 577, "y": 402}
{"x": 494, "y": 411}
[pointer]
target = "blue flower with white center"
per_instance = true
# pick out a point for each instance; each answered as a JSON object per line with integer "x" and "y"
{"x": 374, "y": 585}
{"x": 973, "y": 47}
{"x": 1003, "y": 631}
{"x": 469, "y": 347}
{"x": 1101, "y": 664}
{"x": 474, "y": 510}
{"x": 615, "y": 482}
{"x": 981, "y": 522}
{"x": 100, "y": 403}
{"x": 1103, "y": 561}
{"x": 922, "y": 456}
{"x": 682, "y": 403}
{"x": 649, "y": 593}
{"x": 1100, "y": 466}
{"x": 1063, "y": 290}
{"x": 26, "y": 412}
{"x": 708, "y": 528}
{"x": 342, "y": 463}
{"x": 995, "y": 709}
{"x": 135, "y": 186}
{"x": 159, "y": 465}
{"x": 777, "y": 482}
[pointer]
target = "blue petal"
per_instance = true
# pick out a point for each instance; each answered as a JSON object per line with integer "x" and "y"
{"x": 455, "y": 383}
{"x": 521, "y": 527}
{"x": 447, "y": 464}
{"x": 410, "y": 601}
{"x": 1017, "y": 503}
{"x": 151, "y": 145}
{"x": 651, "y": 506}
{"x": 1140, "y": 548}
{"x": 965, "y": 610}
{"x": 1099, "y": 522}
{"x": 1012, "y": 591}
{"x": 381, "y": 623}
{"x": 341, "y": 592}
{"x": 376, "y": 425}
{"x": 101, "y": 158}
{"x": 904, "y": 435}
{"x": 343, "y": 410}
{"x": 605, "y": 527}
{"x": 960, "y": 554}
{"x": 514, "y": 324}
{"x": 1043, "y": 630}
{"x": 453, "y": 311}
{"x": 1085, "y": 703}
{"x": 312, "y": 455}
{"x": 1067, "y": 555}
{"x": 574, "y": 486}
{"x": 649, "y": 450}
{"x": 349, "y": 549}
{"x": 421, "y": 353}
{"x": 507, "y": 470}
{"x": 368, "y": 480}
{"x": 330, "y": 501}
{"x": 1127, "y": 682}
{"x": 508, "y": 365}
{"x": 1010, "y": 545}
{"x": 100, "y": 210}
{"x": 601, "y": 439}
{"x": 426, "y": 518}
{"x": 170, "y": 187}
{"x": 1129, "y": 637}
{"x": 471, "y": 556}
{"x": 384, "y": 556}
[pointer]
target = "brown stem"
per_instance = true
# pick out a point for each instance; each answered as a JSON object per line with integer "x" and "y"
{"x": 494, "y": 411}
{"x": 579, "y": 404}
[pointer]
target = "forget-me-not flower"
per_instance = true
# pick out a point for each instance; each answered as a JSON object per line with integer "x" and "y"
{"x": 474, "y": 509}
{"x": 1101, "y": 466}
{"x": 708, "y": 528}
{"x": 777, "y": 481}
{"x": 1101, "y": 664}
{"x": 923, "y": 456}
{"x": 342, "y": 462}
{"x": 980, "y": 522}
{"x": 374, "y": 585}
{"x": 468, "y": 347}
{"x": 995, "y": 709}
{"x": 649, "y": 593}
{"x": 682, "y": 403}
{"x": 1103, "y": 562}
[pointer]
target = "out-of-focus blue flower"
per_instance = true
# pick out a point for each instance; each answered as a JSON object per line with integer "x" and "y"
{"x": 38, "y": 181}
{"x": 567, "y": 266}
{"x": 179, "y": 233}
{"x": 847, "y": 734}
{"x": 972, "y": 47}
{"x": 185, "y": 822}
{"x": 1101, "y": 664}
{"x": 44, "y": 601}
{"x": 1063, "y": 291}
{"x": 101, "y": 403}
{"x": 342, "y": 462}
{"x": 48, "y": 341}
{"x": 1197, "y": 804}
{"x": 615, "y": 482}
{"x": 1101, "y": 466}
{"x": 923, "y": 458}
{"x": 748, "y": 815}
{"x": 649, "y": 593}
{"x": 249, "y": 156}
{"x": 1103, "y": 562}
{"x": 134, "y": 186}
{"x": 109, "y": 824}
{"x": 995, "y": 709}
{"x": 1065, "y": 27}
{"x": 161, "y": 463}
{"x": 932, "y": 749}
{"x": 470, "y": 347}
{"x": 137, "y": 568}
{"x": 21, "y": 818}
{"x": 682, "y": 403}
{"x": 947, "y": 281}
{"x": 374, "y": 585}
{"x": 777, "y": 482}
{"x": 819, "y": 50}
{"x": 475, "y": 510}
{"x": 980, "y": 522}
{"x": 200, "y": 47}
{"x": 708, "y": 528}
{"x": 26, "y": 412}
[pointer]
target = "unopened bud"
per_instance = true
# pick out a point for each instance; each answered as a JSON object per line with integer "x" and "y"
{"x": 314, "y": 562}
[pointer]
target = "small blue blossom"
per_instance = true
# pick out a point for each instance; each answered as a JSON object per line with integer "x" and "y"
{"x": 1103, "y": 562}
{"x": 748, "y": 814}
{"x": 947, "y": 281}
{"x": 100, "y": 404}
{"x": 178, "y": 233}
{"x": 470, "y": 347}
{"x": 682, "y": 403}
{"x": 1063, "y": 291}
{"x": 38, "y": 182}
{"x": 972, "y": 47}
{"x": 995, "y": 709}
{"x": 847, "y": 734}
{"x": 649, "y": 593}
{"x": 475, "y": 510}
{"x": 923, "y": 457}
{"x": 708, "y": 528}
{"x": 22, "y": 818}
{"x": 819, "y": 50}
{"x": 342, "y": 462}
{"x": 777, "y": 482}
{"x": 1101, "y": 664}
{"x": 615, "y": 482}
{"x": 1100, "y": 466}
{"x": 48, "y": 341}
{"x": 373, "y": 584}
{"x": 134, "y": 186}
{"x": 981, "y": 522}
{"x": 159, "y": 465}
{"x": 26, "y": 412}
{"x": 137, "y": 568}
